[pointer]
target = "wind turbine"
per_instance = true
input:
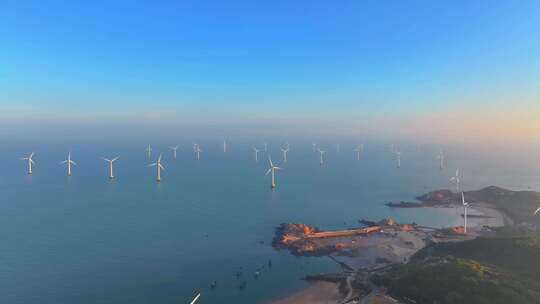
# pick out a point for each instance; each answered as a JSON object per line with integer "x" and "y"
{"x": 256, "y": 154}
{"x": 456, "y": 180}
{"x": 197, "y": 150}
{"x": 148, "y": 151}
{"x": 30, "y": 162}
{"x": 195, "y": 299}
{"x": 441, "y": 158}
{"x": 358, "y": 150}
{"x": 537, "y": 210}
{"x": 272, "y": 170}
{"x": 465, "y": 206}
{"x": 174, "y": 149}
{"x": 69, "y": 162}
{"x": 265, "y": 146}
{"x": 224, "y": 147}
{"x": 110, "y": 161}
{"x": 398, "y": 158}
{"x": 321, "y": 152}
{"x": 285, "y": 153}
{"x": 159, "y": 167}
{"x": 314, "y": 147}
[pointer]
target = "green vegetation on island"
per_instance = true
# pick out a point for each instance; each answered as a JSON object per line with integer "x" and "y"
{"x": 483, "y": 270}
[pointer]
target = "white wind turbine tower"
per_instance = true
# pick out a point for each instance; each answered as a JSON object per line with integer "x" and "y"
{"x": 441, "y": 158}
{"x": 398, "y": 158}
{"x": 30, "y": 162}
{"x": 195, "y": 299}
{"x": 256, "y": 154}
{"x": 272, "y": 170}
{"x": 159, "y": 167}
{"x": 148, "y": 151}
{"x": 314, "y": 147}
{"x": 224, "y": 146}
{"x": 110, "y": 161}
{"x": 465, "y": 206}
{"x": 69, "y": 162}
{"x": 358, "y": 150}
{"x": 456, "y": 180}
{"x": 197, "y": 150}
{"x": 174, "y": 149}
{"x": 321, "y": 153}
{"x": 285, "y": 150}
{"x": 265, "y": 146}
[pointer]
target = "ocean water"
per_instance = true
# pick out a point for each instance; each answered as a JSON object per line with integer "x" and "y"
{"x": 85, "y": 239}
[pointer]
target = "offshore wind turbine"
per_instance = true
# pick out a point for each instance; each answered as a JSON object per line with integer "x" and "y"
{"x": 284, "y": 151}
{"x": 197, "y": 150}
{"x": 69, "y": 162}
{"x": 110, "y": 161}
{"x": 456, "y": 180}
{"x": 224, "y": 146}
{"x": 195, "y": 299}
{"x": 321, "y": 153}
{"x": 174, "y": 149}
{"x": 465, "y": 206}
{"x": 398, "y": 158}
{"x": 256, "y": 151}
{"x": 265, "y": 146}
{"x": 148, "y": 151}
{"x": 358, "y": 150}
{"x": 272, "y": 170}
{"x": 159, "y": 167}
{"x": 441, "y": 158}
{"x": 29, "y": 161}
{"x": 314, "y": 146}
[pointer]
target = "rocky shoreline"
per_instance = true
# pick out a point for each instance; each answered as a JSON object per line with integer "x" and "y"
{"x": 378, "y": 245}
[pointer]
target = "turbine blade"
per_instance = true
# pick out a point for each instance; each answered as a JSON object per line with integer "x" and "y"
{"x": 73, "y": 163}
{"x": 537, "y": 210}
{"x": 114, "y": 159}
{"x": 161, "y": 166}
{"x": 268, "y": 172}
{"x": 31, "y": 160}
{"x": 152, "y": 165}
{"x": 195, "y": 299}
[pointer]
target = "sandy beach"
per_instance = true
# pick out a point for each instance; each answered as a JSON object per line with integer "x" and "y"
{"x": 317, "y": 293}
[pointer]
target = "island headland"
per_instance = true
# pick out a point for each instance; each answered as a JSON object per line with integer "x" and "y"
{"x": 385, "y": 261}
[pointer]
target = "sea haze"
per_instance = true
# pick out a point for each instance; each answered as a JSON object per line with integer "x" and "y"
{"x": 85, "y": 239}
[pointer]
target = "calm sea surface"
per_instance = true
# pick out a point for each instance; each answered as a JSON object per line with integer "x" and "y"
{"x": 85, "y": 239}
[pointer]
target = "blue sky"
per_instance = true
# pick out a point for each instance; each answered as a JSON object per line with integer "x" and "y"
{"x": 205, "y": 60}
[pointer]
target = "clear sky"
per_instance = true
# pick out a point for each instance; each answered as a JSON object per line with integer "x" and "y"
{"x": 403, "y": 65}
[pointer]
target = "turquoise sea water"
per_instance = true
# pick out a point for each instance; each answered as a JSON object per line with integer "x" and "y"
{"x": 85, "y": 239}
